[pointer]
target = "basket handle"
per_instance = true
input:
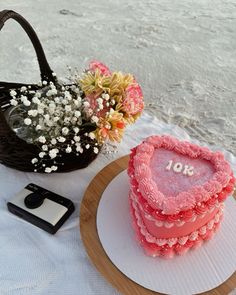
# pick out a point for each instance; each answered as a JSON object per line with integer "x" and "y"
{"x": 45, "y": 70}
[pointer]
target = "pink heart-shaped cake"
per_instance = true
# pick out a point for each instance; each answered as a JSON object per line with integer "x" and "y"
{"x": 177, "y": 193}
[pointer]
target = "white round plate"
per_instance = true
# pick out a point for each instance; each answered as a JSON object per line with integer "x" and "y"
{"x": 195, "y": 272}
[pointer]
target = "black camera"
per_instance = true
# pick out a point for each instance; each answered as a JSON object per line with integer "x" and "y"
{"x": 41, "y": 207}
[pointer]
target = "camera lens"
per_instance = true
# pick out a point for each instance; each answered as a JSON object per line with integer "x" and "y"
{"x": 33, "y": 200}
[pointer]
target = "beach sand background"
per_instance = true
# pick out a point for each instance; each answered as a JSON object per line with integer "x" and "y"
{"x": 183, "y": 53}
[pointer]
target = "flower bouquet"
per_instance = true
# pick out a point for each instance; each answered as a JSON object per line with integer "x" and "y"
{"x": 50, "y": 126}
{"x": 67, "y": 122}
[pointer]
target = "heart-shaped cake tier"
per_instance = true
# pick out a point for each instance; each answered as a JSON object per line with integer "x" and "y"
{"x": 175, "y": 175}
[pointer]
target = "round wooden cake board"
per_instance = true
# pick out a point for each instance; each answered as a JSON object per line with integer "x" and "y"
{"x": 96, "y": 253}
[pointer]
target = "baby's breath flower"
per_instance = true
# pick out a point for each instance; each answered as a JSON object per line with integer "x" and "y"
{"x": 99, "y": 100}
{"x": 67, "y": 119}
{"x": 68, "y": 108}
{"x": 76, "y": 90}
{"x": 106, "y": 96}
{"x": 68, "y": 149}
{"x": 27, "y": 121}
{"x": 64, "y": 101}
{"x": 53, "y": 141}
{"x": 48, "y": 170}
{"x": 23, "y": 98}
{"x": 53, "y": 153}
{"x": 33, "y": 113}
{"x": 26, "y": 102}
{"x": 57, "y": 99}
{"x": 95, "y": 149}
{"x": 79, "y": 149}
{"x": 42, "y": 154}
{"x": 68, "y": 95}
{"x": 52, "y": 105}
{"x": 51, "y": 92}
{"x": 55, "y": 112}
{"x": 13, "y": 93}
{"x": 14, "y": 102}
{"x": 77, "y": 138}
{"x": 65, "y": 130}
{"x": 74, "y": 120}
{"x": 61, "y": 139}
{"x": 49, "y": 123}
{"x": 47, "y": 117}
{"x": 77, "y": 114}
{"x": 91, "y": 135}
{"x": 23, "y": 89}
{"x": 76, "y": 130}
{"x": 42, "y": 139}
{"x": 44, "y": 147}
{"x": 38, "y": 127}
{"x": 40, "y": 111}
{"x": 76, "y": 102}
{"x": 34, "y": 160}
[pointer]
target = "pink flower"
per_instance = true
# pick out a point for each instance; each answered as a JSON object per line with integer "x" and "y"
{"x": 133, "y": 102}
{"x": 97, "y": 65}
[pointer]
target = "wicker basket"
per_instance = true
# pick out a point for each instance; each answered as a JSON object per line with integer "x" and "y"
{"x": 15, "y": 152}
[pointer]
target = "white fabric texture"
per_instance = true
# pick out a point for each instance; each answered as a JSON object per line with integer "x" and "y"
{"x": 33, "y": 262}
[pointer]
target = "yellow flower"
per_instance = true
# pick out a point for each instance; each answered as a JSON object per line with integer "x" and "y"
{"x": 92, "y": 83}
{"x": 110, "y": 128}
{"x": 114, "y": 85}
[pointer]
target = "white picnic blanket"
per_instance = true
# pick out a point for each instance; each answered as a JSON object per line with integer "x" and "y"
{"x": 35, "y": 262}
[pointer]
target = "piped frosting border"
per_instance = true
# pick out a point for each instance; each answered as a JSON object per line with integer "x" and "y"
{"x": 140, "y": 160}
{"x": 167, "y": 248}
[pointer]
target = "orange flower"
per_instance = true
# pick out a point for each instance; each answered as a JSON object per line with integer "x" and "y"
{"x": 110, "y": 128}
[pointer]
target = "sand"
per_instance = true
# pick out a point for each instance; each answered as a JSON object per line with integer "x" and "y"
{"x": 183, "y": 53}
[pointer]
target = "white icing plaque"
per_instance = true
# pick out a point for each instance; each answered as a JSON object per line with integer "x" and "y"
{"x": 178, "y": 167}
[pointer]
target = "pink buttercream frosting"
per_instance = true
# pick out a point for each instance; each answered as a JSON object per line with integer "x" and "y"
{"x": 168, "y": 247}
{"x": 172, "y": 230}
{"x": 186, "y": 215}
{"x": 170, "y": 192}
